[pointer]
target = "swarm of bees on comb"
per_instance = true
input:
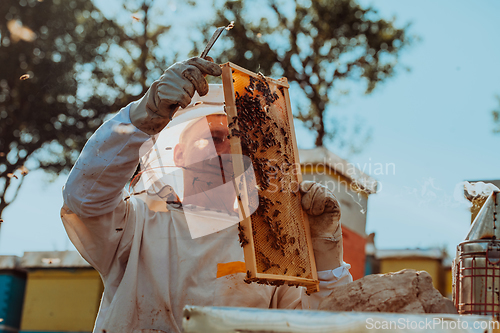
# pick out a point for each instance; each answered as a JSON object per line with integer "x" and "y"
{"x": 274, "y": 237}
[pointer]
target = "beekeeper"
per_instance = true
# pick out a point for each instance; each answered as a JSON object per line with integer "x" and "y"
{"x": 174, "y": 240}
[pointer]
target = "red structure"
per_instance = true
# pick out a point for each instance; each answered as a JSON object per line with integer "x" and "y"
{"x": 354, "y": 252}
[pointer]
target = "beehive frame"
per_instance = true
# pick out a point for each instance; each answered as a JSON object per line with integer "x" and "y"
{"x": 276, "y": 244}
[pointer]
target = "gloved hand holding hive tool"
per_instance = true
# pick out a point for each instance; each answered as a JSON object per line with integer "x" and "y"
{"x": 155, "y": 258}
{"x": 173, "y": 90}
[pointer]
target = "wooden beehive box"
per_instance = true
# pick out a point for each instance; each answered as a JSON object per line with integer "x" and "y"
{"x": 275, "y": 238}
{"x": 63, "y": 292}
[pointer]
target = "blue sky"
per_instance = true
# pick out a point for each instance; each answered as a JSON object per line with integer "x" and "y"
{"x": 434, "y": 123}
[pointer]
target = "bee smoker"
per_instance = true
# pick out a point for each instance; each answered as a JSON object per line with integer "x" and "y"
{"x": 476, "y": 268}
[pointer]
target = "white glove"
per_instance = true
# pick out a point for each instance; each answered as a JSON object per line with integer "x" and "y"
{"x": 324, "y": 222}
{"x": 323, "y": 210}
{"x": 174, "y": 89}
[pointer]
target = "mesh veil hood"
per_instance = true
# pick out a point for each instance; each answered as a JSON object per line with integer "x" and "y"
{"x": 184, "y": 168}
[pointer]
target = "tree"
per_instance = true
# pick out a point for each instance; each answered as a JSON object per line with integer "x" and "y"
{"x": 65, "y": 66}
{"x": 46, "y": 47}
{"x": 42, "y": 42}
{"x": 317, "y": 45}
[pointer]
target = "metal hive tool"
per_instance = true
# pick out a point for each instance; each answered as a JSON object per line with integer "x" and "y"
{"x": 275, "y": 239}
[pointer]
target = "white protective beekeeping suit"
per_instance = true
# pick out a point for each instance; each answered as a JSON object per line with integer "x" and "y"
{"x": 173, "y": 240}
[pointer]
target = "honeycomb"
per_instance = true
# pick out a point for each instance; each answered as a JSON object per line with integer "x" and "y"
{"x": 260, "y": 123}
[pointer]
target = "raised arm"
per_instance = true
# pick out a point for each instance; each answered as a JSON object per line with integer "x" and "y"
{"x": 109, "y": 158}
{"x": 95, "y": 214}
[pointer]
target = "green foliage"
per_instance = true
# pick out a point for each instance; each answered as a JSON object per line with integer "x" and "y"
{"x": 316, "y": 45}
{"x": 45, "y": 41}
{"x": 80, "y": 65}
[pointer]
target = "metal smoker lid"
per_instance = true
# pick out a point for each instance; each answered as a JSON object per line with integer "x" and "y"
{"x": 485, "y": 225}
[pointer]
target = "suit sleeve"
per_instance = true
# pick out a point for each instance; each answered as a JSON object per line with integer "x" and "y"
{"x": 98, "y": 216}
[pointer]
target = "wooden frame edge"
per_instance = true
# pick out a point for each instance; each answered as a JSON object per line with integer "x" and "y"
{"x": 314, "y": 271}
{"x": 250, "y": 73}
{"x": 235, "y": 142}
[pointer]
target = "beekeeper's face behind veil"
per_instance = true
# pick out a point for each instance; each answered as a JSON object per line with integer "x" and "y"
{"x": 188, "y": 167}
{"x": 203, "y": 152}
